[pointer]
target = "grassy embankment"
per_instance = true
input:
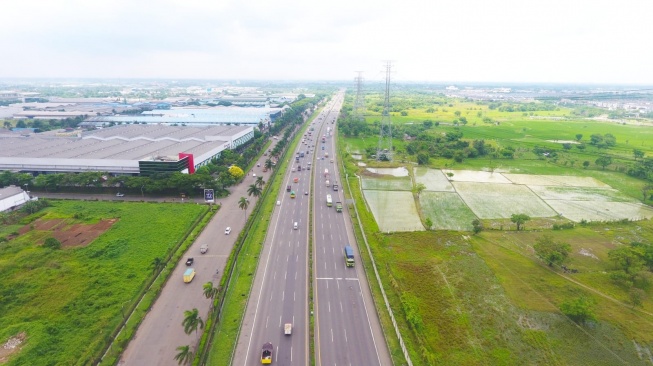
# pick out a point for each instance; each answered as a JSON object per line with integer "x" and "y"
{"x": 70, "y": 301}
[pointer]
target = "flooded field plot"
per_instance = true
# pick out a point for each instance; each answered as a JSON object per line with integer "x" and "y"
{"x": 433, "y": 179}
{"x": 476, "y": 176}
{"x": 446, "y": 210}
{"x": 388, "y": 183}
{"x": 554, "y": 180}
{"x": 393, "y": 210}
{"x": 601, "y": 211}
{"x": 567, "y": 193}
{"x": 495, "y": 201}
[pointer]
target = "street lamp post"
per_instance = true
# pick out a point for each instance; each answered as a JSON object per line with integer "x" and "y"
{"x": 142, "y": 194}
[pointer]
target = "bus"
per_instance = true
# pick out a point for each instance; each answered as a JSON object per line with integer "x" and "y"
{"x": 329, "y": 201}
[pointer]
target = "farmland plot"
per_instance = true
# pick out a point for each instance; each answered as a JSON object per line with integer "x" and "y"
{"x": 495, "y": 201}
{"x": 567, "y": 193}
{"x": 601, "y": 211}
{"x": 395, "y": 172}
{"x": 393, "y": 210}
{"x": 388, "y": 184}
{"x": 554, "y": 180}
{"x": 446, "y": 210}
{"x": 476, "y": 176}
{"x": 433, "y": 179}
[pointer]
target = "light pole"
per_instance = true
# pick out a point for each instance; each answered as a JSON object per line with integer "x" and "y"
{"x": 142, "y": 194}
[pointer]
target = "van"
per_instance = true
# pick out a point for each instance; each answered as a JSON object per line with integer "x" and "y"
{"x": 189, "y": 275}
{"x": 295, "y": 226}
{"x": 288, "y": 188}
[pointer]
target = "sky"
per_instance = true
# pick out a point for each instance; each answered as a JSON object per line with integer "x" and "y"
{"x": 528, "y": 41}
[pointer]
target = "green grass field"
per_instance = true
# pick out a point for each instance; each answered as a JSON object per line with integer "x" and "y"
{"x": 485, "y": 299}
{"x": 68, "y": 301}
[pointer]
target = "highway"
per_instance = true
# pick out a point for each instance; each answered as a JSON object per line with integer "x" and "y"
{"x": 346, "y": 325}
{"x": 344, "y": 316}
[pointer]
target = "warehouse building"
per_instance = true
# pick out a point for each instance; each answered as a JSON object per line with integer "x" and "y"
{"x": 124, "y": 149}
{"x": 12, "y": 197}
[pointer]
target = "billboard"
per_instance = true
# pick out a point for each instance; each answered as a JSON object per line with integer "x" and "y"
{"x": 208, "y": 195}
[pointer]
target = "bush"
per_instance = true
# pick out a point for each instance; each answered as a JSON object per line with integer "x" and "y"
{"x": 52, "y": 243}
{"x": 580, "y": 310}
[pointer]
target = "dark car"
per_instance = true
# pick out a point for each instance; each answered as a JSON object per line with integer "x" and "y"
{"x": 190, "y": 261}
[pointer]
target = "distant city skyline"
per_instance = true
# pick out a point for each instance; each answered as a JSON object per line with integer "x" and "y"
{"x": 474, "y": 41}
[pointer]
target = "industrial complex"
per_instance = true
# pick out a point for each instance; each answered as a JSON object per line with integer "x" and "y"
{"x": 133, "y": 149}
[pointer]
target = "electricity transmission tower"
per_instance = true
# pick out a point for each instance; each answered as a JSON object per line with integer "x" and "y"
{"x": 384, "y": 149}
{"x": 359, "y": 102}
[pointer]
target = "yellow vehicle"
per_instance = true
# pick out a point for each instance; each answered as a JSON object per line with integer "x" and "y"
{"x": 189, "y": 275}
{"x": 292, "y": 194}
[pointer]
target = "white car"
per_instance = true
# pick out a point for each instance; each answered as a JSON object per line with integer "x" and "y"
{"x": 227, "y": 230}
{"x": 120, "y": 195}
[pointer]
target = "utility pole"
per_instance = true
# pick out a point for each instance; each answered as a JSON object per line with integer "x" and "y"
{"x": 384, "y": 150}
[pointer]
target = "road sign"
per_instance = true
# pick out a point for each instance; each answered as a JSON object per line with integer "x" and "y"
{"x": 208, "y": 195}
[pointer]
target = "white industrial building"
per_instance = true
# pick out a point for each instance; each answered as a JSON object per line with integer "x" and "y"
{"x": 12, "y": 197}
{"x": 123, "y": 149}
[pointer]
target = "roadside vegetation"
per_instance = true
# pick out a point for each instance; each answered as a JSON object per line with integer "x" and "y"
{"x": 70, "y": 300}
{"x": 518, "y": 289}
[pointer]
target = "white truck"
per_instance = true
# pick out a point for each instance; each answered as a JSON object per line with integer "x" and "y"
{"x": 287, "y": 329}
{"x": 326, "y": 172}
{"x": 327, "y": 182}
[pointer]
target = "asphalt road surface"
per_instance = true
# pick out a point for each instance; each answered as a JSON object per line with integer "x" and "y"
{"x": 161, "y": 332}
{"x": 347, "y": 327}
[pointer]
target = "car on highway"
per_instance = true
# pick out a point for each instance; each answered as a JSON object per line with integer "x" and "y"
{"x": 189, "y": 261}
{"x": 227, "y": 231}
{"x": 204, "y": 248}
{"x": 120, "y": 194}
{"x": 306, "y": 193}
{"x": 295, "y": 226}
{"x": 189, "y": 274}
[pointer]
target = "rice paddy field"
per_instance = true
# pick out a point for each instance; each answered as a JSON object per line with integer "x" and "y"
{"x": 486, "y": 299}
{"x": 394, "y": 210}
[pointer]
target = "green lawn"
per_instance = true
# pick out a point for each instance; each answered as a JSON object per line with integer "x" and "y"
{"x": 69, "y": 301}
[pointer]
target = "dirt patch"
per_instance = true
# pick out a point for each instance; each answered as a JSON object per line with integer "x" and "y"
{"x": 70, "y": 235}
{"x": 11, "y": 346}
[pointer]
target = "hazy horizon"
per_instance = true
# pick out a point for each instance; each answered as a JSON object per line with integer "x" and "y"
{"x": 596, "y": 43}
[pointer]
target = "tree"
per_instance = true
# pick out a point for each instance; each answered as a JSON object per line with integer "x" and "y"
{"x": 580, "y": 310}
{"x": 243, "y": 203}
{"x": 477, "y": 226}
{"x": 603, "y": 161}
{"x": 457, "y": 113}
{"x": 550, "y": 251}
{"x": 7, "y": 124}
{"x": 185, "y": 356}
{"x": 254, "y": 190}
{"x": 52, "y": 243}
{"x": 157, "y": 264}
{"x": 638, "y": 154}
{"x": 429, "y": 223}
{"x": 236, "y": 172}
{"x": 519, "y": 219}
{"x": 423, "y": 159}
{"x": 209, "y": 291}
{"x": 579, "y": 136}
{"x": 268, "y": 164}
{"x": 419, "y": 187}
{"x": 586, "y": 164}
{"x": 260, "y": 182}
{"x": 192, "y": 321}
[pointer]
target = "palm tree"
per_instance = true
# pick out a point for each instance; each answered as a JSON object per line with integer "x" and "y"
{"x": 209, "y": 290}
{"x": 243, "y": 203}
{"x": 192, "y": 321}
{"x": 254, "y": 190}
{"x": 185, "y": 355}
{"x": 260, "y": 182}
{"x": 157, "y": 264}
{"x": 268, "y": 164}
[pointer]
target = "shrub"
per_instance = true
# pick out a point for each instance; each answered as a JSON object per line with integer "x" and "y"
{"x": 52, "y": 243}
